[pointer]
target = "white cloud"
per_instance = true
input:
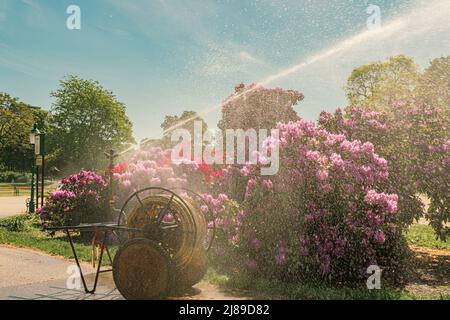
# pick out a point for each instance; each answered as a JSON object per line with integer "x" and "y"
{"x": 229, "y": 59}
{"x": 246, "y": 56}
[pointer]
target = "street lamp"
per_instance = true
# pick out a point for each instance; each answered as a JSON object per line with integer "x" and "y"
{"x": 34, "y": 141}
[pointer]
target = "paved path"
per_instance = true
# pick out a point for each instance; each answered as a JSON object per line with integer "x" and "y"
{"x": 10, "y": 206}
{"x": 29, "y": 274}
{"x": 25, "y": 266}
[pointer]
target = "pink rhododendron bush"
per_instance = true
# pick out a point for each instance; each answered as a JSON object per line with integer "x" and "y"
{"x": 154, "y": 167}
{"x": 326, "y": 214}
{"x": 415, "y": 139}
{"x": 254, "y": 107}
{"x": 79, "y": 198}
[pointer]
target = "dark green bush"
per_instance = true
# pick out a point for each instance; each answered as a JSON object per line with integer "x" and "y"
{"x": 15, "y": 223}
{"x": 13, "y": 176}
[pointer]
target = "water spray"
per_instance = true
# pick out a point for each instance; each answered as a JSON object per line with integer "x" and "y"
{"x": 397, "y": 25}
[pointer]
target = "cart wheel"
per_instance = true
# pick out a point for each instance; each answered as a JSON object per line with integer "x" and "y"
{"x": 142, "y": 270}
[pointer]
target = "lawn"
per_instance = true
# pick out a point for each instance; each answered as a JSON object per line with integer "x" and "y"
{"x": 23, "y": 233}
{"x": 423, "y": 236}
{"x": 22, "y": 189}
{"x": 16, "y": 189}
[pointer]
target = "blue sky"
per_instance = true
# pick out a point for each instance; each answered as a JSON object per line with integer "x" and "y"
{"x": 164, "y": 56}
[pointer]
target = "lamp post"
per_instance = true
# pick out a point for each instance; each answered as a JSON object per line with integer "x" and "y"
{"x": 41, "y": 163}
{"x": 34, "y": 132}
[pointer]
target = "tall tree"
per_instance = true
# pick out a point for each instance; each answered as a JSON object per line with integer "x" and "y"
{"x": 185, "y": 121}
{"x": 16, "y": 121}
{"x": 380, "y": 84}
{"x": 88, "y": 120}
{"x": 434, "y": 84}
{"x": 256, "y": 107}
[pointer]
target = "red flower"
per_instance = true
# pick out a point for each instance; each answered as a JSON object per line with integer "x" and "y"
{"x": 203, "y": 167}
{"x": 124, "y": 167}
{"x": 121, "y": 168}
{"x": 217, "y": 174}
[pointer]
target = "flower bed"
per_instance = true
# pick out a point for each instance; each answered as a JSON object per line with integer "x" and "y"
{"x": 79, "y": 198}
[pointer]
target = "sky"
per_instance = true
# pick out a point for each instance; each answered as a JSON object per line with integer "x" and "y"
{"x": 161, "y": 57}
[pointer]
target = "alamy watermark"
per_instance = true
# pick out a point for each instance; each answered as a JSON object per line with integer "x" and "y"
{"x": 374, "y": 280}
{"x": 241, "y": 147}
{"x": 73, "y": 282}
{"x": 374, "y": 20}
{"x": 73, "y": 22}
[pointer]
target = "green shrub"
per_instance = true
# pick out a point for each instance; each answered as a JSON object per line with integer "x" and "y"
{"x": 15, "y": 223}
{"x": 12, "y": 176}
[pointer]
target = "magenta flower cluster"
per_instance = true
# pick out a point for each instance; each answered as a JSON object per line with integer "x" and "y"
{"x": 82, "y": 194}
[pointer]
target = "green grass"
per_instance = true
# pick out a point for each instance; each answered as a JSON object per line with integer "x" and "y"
{"x": 424, "y": 236}
{"x": 7, "y": 190}
{"x": 274, "y": 289}
{"x": 22, "y": 184}
{"x": 18, "y": 184}
{"x": 32, "y": 237}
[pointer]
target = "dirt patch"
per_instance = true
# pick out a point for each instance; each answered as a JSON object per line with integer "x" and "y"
{"x": 207, "y": 291}
{"x": 430, "y": 274}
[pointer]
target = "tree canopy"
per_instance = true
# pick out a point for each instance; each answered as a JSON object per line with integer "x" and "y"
{"x": 434, "y": 84}
{"x": 16, "y": 121}
{"x": 381, "y": 83}
{"x": 185, "y": 121}
{"x": 256, "y": 107}
{"x": 87, "y": 120}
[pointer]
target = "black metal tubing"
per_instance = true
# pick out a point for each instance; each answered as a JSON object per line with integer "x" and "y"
{"x": 106, "y": 228}
{"x": 104, "y": 244}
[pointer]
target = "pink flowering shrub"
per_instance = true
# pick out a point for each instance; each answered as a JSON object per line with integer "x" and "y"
{"x": 79, "y": 198}
{"x": 254, "y": 107}
{"x": 414, "y": 138}
{"x": 437, "y": 187}
{"x": 149, "y": 168}
{"x": 325, "y": 214}
{"x": 155, "y": 168}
